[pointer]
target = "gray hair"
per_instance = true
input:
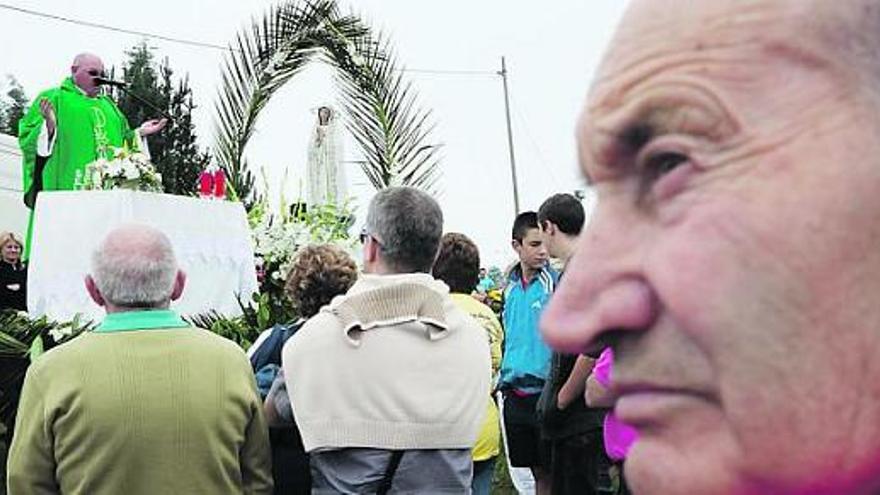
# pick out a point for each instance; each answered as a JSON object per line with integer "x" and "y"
{"x": 135, "y": 267}
{"x": 408, "y": 224}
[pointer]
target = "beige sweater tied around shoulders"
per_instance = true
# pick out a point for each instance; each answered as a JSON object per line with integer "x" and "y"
{"x": 392, "y": 364}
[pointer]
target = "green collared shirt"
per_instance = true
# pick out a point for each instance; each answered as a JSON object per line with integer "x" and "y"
{"x": 141, "y": 320}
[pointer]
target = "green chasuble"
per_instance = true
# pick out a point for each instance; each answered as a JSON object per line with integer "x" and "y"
{"x": 86, "y": 129}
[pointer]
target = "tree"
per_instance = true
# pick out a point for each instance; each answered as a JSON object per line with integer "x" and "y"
{"x": 174, "y": 151}
{"x": 13, "y": 106}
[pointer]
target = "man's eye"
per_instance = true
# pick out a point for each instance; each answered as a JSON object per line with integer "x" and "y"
{"x": 661, "y": 164}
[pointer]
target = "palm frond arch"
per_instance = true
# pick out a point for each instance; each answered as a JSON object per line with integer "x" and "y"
{"x": 381, "y": 109}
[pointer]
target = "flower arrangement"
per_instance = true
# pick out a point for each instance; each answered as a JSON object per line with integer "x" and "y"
{"x": 126, "y": 169}
{"x": 277, "y": 237}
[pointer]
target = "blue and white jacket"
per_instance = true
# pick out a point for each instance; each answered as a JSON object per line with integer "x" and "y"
{"x": 526, "y": 361}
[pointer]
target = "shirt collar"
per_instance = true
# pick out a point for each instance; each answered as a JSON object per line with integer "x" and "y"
{"x": 140, "y": 320}
{"x": 516, "y": 275}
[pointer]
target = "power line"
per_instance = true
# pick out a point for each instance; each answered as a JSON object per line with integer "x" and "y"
{"x": 522, "y": 121}
{"x": 111, "y": 28}
{"x": 452, "y": 72}
{"x": 202, "y": 44}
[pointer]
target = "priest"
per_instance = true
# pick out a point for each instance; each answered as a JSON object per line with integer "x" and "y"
{"x": 68, "y": 127}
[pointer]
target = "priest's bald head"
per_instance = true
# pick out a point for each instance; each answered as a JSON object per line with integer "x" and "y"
{"x": 732, "y": 260}
{"x": 84, "y": 69}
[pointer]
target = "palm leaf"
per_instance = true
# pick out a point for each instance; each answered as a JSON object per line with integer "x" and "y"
{"x": 18, "y": 333}
{"x": 381, "y": 108}
{"x": 385, "y": 120}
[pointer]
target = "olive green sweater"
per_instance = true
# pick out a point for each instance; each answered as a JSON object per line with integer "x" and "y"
{"x": 140, "y": 408}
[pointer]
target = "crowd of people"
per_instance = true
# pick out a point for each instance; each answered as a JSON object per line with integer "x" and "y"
{"x": 712, "y": 331}
{"x": 386, "y": 383}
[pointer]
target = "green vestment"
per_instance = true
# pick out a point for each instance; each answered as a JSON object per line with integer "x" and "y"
{"x": 86, "y": 129}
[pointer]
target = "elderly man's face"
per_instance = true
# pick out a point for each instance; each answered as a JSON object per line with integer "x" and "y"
{"x": 733, "y": 258}
{"x": 84, "y": 71}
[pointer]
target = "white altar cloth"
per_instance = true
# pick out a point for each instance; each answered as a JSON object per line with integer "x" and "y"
{"x": 211, "y": 240}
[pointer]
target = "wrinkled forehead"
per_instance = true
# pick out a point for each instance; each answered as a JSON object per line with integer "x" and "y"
{"x": 655, "y": 29}
{"x": 730, "y": 42}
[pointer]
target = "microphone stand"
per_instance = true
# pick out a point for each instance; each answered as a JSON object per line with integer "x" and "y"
{"x": 143, "y": 101}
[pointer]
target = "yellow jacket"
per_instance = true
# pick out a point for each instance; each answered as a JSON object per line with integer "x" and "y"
{"x": 487, "y": 445}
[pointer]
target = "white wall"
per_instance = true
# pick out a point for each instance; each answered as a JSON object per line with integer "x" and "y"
{"x": 13, "y": 214}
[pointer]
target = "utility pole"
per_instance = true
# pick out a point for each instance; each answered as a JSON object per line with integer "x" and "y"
{"x": 503, "y": 75}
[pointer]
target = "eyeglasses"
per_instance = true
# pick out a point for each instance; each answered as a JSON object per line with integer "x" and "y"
{"x": 364, "y": 235}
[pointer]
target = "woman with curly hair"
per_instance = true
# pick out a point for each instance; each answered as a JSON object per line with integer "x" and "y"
{"x": 317, "y": 274}
{"x": 458, "y": 265}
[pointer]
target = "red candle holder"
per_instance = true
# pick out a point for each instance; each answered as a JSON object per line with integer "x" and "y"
{"x": 219, "y": 184}
{"x": 206, "y": 184}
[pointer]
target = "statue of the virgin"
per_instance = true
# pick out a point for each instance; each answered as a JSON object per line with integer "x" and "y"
{"x": 326, "y": 174}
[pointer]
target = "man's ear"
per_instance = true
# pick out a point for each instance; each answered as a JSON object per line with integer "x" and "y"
{"x": 93, "y": 291}
{"x": 179, "y": 284}
{"x": 371, "y": 250}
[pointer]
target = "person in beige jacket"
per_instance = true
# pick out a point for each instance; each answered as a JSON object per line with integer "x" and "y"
{"x": 388, "y": 382}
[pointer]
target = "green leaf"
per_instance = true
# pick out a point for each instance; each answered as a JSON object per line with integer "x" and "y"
{"x": 263, "y": 312}
{"x": 36, "y": 349}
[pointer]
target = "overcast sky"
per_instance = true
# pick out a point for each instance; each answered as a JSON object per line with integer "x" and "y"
{"x": 552, "y": 49}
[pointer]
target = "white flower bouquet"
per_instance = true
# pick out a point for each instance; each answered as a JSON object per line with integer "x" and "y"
{"x": 126, "y": 169}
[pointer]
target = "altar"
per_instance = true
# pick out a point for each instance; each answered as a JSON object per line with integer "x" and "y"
{"x": 211, "y": 240}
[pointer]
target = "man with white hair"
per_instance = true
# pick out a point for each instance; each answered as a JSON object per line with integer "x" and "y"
{"x": 70, "y": 126}
{"x": 144, "y": 404}
{"x": 732, "y": 262}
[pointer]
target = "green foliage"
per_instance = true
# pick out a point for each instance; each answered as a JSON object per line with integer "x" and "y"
{"x": 501, "y": 483}
{"x": 13, "y": 106}
{"x": 23, "y": 339}
{"x": 236, "y": 329}
{"x": 173, "y": 151}
{"x": 382, "y": 113}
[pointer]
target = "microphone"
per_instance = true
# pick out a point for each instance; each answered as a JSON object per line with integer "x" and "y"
{"x": 102, "y": 81}
{"x": 123, "y": 86}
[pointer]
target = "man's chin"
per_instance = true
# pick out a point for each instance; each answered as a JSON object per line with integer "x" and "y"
{"x": 656, "y": 468}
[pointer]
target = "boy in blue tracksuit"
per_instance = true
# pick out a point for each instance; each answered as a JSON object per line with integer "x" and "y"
{"x": 526, "y": 361}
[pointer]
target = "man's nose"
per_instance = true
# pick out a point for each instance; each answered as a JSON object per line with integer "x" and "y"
{"x": 603, "y": 290}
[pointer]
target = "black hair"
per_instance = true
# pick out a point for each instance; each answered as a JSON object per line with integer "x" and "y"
{"x": 524, "y": 222}
{"x": 565, "y": 211}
